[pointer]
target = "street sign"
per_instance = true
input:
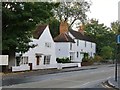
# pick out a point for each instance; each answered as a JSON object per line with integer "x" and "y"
{"x": 118, "y": 39}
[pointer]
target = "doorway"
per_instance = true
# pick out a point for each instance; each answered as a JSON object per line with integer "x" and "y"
{"x": 37, "y": 60}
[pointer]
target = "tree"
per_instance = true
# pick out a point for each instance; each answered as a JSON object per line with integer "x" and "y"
{"x": 54, "y": 26}
{"x": 73, "y": 11}
{"x": 99, "y": 32}
{"x": 106, "y": 52}
{"x": 115, "y": 27}
{"x": 19, "y": 19}
{"x": 102, "y": 35}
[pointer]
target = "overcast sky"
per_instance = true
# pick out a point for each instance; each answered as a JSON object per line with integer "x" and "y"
{"x": 106, "y": 11}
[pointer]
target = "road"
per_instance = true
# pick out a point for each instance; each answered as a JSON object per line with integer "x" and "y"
{"x": 91, "y": 78}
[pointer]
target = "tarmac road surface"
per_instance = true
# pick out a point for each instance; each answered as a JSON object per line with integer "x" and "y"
{"x": 90, "y": 78}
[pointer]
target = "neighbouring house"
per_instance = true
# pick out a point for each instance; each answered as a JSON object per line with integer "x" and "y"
{"x": 73, "y": 44}
{"x": 42, "y": 55}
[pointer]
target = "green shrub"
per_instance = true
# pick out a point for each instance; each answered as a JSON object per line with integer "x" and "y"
{"x": 87, "y": 61}
{"x": 98, "y": 58}
{"x": 63, "y": 60}
{"x": 86, "y": 55}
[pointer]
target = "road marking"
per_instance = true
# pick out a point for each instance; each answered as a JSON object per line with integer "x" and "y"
{"x": 85, "y": 84}
{"x": 94, "y": 81}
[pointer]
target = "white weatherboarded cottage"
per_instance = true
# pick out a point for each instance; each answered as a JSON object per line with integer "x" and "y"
{"x": 40, "y": 57}
{"x": 73, "y": 44}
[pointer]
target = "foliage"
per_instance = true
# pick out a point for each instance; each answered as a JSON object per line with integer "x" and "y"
{"x": 86, "y": 55}
{"x": 87, "y": 61}
{"x": 19, "y": 19}
{"x": 106, "y": 52}
{"x": 97, "y": 58}
{"x": 73, "y": 11}
{"x": 115, "y": 27}
{"x": 86, "y": 58}
{"x": 63, "y": 60}
{"x": 54, "y": 26}
{"x": 101, "y": 34}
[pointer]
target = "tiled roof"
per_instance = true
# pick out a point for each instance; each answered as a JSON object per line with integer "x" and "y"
{"x": 80, "y": 36}
{"x": 64, "y": 37}
{"x": 39, "y": 30}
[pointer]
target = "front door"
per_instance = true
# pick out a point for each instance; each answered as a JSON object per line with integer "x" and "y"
{"x": 81, "y": 56}
{"x": 37, "y": 60}
{"x": 72, "y": 56}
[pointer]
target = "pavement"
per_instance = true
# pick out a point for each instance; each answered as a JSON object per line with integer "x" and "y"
{"x": 114, "y": 84}
{"x": 110, "y": 82}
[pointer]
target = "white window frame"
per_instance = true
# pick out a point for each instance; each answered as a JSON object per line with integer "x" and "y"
{"x": 72, "y": 55}
{"x": 24, "y": 60}
{"x": 48, "y": 44}
{"x": 70, "y": 46}
{"x": 77, "y": 54}
{"x": 47, "y": 59}
{"x": 77, "y": 42}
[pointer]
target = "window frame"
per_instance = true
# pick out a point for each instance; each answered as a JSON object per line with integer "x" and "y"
{"x": 77, "y": 42}
{"x": 70, "y": 46}
{"x": 48, "y": 44}
{"x": 77, "y": 54}
{"x": 47, "y": 59}
{"x": 24, "y": 60}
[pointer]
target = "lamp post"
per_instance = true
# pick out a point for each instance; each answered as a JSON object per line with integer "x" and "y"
{"x": 116, "y": 65}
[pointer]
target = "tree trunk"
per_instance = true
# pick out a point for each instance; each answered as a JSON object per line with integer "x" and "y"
{"x": 11, "y": 59}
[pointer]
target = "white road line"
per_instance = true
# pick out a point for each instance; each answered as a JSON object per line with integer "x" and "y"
{"x": 94, "y": 81}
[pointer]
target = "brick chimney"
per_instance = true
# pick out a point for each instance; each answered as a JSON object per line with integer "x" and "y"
{"x": 81, "y": 29}
{"x": 63, "y": 26}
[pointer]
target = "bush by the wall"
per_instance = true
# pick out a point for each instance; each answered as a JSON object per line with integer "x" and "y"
{"x": 98, "y": 58}
{"x": 86, "y": 62}
{"x": 63, "y": 60}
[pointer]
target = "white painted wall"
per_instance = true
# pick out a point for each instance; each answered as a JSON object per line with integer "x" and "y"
{"x": 50, "y": 66}
{"x": 62, "y": 49}
{"x": 42, "y": 49}
{"x": 21, "y": 68}
{"x": 45, "y": 66}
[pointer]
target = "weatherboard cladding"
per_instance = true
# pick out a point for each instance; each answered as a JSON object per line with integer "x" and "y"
{"x": 39, "y": 30}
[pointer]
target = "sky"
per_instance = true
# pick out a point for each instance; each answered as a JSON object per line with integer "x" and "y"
{"x": 106, "y": 11}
